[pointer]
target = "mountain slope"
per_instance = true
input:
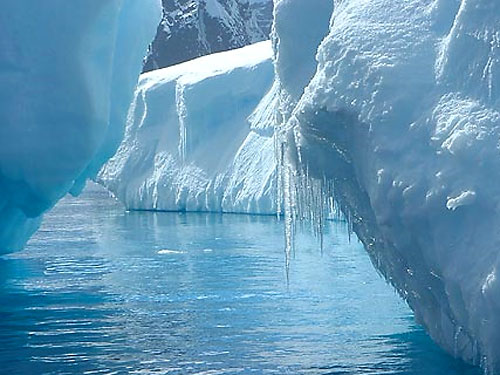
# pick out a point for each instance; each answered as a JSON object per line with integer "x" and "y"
{"x": 193, "y": 28}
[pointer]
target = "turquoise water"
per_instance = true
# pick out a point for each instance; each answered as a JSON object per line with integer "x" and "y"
{"x": 99, "y": 290}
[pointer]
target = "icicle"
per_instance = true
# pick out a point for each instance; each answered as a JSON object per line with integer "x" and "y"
{"x": 279, "y": 151}
{"x": 349, "y": 225}
{"x": 289, "y": 203}
{"x": 301, "y": 198}
{"x": 181, "y": 113}
{"x": 306, "y": 200}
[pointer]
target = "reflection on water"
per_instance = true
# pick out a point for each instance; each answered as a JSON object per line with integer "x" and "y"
{"x": 99, "y": 290}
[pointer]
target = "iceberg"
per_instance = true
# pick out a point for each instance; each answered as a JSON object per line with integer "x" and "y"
{"x": 67, "y": 71}
{"x": 199, "y": 137}
{"x": 400, "y": 124}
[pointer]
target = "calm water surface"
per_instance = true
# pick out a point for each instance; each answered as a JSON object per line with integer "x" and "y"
{"x": 99, "y": 290}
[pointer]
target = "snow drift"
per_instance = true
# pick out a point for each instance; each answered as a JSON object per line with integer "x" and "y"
{"x": 67, "y": 72}
{"x": 197, "y": 138}
{"x": 401, "y": 125}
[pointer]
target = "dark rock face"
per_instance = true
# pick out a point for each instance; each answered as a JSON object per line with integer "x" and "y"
{"x": 193, "y": 28}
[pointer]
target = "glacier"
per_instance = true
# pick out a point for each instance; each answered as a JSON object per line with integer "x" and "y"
{"x": 397, "y": 118}
{"x": 200, "y": 137}
{"x": 67, "y": 82}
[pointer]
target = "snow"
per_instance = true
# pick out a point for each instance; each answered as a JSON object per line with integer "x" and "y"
{"x": 66, "y": 87}
{"x": 198, "y": 137}
{"x": 400, "y": 123}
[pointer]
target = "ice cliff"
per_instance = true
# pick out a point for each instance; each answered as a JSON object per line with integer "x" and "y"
{"x": 199, "y": 137}
{"x": 398, "y": 119}
{"x": 194, "y": 28}
{"x": 67, "y": 72}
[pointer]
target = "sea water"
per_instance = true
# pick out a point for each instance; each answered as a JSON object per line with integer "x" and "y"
{"x": 102, "y": 291}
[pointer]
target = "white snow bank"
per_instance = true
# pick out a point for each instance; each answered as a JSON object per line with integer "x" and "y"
{"x": 197, "y": 138}
{"x": 401, "y": 123}
{"x": 67, "y": 72}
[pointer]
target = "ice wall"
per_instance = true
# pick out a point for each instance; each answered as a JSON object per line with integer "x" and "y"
{"x": 67, "y": 72}
{"x": 401, "y": 125}
{"x": 199, "y": 137}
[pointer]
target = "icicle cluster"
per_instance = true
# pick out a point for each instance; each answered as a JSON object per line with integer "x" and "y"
{"x": 302, "y": 199}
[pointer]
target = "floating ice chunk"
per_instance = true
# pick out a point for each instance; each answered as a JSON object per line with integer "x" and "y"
{"x": 490, "y": 279}
{"x": 170, "y": 252}
{"x": 465, "y": 198}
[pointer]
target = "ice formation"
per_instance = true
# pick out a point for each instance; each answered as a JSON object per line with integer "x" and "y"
{"x": 400, "y": 123}
{"x": 67, "y": 72}
{"x": 199, "y": 137}
{"x": 390, "y": 107}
